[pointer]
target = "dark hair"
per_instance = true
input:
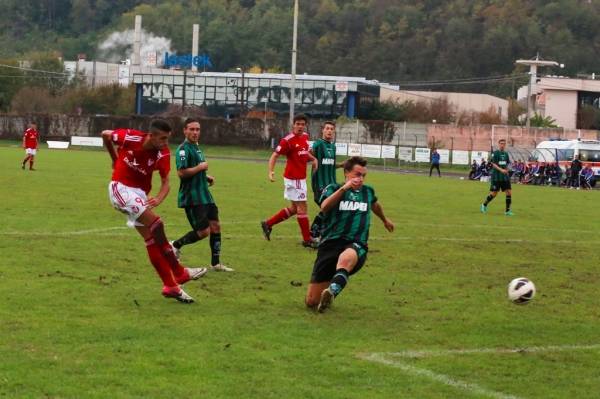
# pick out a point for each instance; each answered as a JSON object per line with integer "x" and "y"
{"x": 351, "y": 162}
{"x": 332, "y": 123}
{"x": 502, "y": 140}
{"x": 300, "y": 117}
{"x": 190, "y": 120}
{"x": 160, "y": 126}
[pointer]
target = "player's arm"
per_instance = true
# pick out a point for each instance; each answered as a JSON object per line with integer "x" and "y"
{"x": 499, "y": 169}
{"x": 153, "y": 202}
{"x": 313, "y": 160}
{"x": 378, "y": 210}
{"x": 107, "y": 139}
{"x": 189, "y": 172}
{"x": 25, "y": 134}
{"x": 272, "y": 161}
{"x": 330, "y": 202}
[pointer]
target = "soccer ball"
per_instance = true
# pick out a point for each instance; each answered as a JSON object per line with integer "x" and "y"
{"x": 521, "y": 290}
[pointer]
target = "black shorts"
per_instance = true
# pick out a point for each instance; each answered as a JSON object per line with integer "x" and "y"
{"x": 327, "y": 259}
{"x": 200, "y": 215}
{"x": 496, "y": 186}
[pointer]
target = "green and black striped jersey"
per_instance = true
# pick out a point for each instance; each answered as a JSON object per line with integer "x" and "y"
{"x": 351, "y": 217}
{"x": 324, "y": 151}
{"x": 192, "y": 190}
{"x": 501, "y": 159}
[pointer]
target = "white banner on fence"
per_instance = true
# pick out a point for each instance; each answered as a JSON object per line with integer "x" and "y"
{"x": 371, "y": 151}
{"x": 354, "y": 150}
{"x": 87, "y": 141}
{"x": 460, "y": 157}
{"x": 478, "y": 155}
{"x": 63, "y": 145}
{"x": 388, "y": 151}
{"x": 405, "y": 154}
{"x": 444, "y": 156}
{"x": 310, "y": 144}
{"x": 341, "y": 149}
{"x": 422, "y": 154}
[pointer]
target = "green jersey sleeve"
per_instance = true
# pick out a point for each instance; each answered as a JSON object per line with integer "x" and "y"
{"x": 182, "y": 158}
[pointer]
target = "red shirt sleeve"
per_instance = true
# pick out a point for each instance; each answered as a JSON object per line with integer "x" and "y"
{"x": 164, "y": 163}
{"x": 118, "y": 136}
{"x": 283, "y": 147}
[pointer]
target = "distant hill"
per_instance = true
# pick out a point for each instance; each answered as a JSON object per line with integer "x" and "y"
{"x": 388, "y": 40}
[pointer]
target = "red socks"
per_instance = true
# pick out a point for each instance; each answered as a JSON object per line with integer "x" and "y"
{"x": 279, "y": 217}
{"x": 160, "y": 265}
{"x": 304, "y": 227}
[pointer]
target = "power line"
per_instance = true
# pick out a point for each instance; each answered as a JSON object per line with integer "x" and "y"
{"x": 463, "y": 81}
{"x": 34, "y": 70}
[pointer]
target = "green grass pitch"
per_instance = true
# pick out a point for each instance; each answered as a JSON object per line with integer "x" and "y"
{"x": 81, "y": 314}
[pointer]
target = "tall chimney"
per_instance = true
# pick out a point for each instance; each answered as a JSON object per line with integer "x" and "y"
{"x": 195, "y": 36}
{"x": 137, "y": 41}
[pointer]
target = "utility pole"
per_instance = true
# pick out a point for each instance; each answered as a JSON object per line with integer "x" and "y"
{"x": 294, "y": 50}
{"x": 533, "y": 66}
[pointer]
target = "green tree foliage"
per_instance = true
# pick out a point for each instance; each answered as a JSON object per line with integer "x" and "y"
{"x": 538, "y": 120}
{"x": 388, "y": 40}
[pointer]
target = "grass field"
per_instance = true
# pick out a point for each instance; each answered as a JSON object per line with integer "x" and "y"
{"x": 82, "y": 316}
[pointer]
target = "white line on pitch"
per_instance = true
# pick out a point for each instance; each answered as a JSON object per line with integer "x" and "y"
{"x": 413, "y": 354}
{"x": 112, "y": 231}
{"x": 441, "y": 378}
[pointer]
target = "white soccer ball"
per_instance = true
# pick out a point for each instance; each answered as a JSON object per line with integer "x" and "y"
{"x": 521, "y": 290}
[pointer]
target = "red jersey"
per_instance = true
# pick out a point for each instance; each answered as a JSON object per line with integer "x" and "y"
{"x": 295, "y": 148}
{"x": 31, "y": 138}
{"x": 134, "y": 165}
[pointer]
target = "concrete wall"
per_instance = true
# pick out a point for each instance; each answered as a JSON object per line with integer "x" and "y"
{"x": 464, "y": 102}
{"x": 561, "y": 106}
{"x": 244, "y": 132}
{"x": 480, "y": 138}
{"x": 252, "y": 132}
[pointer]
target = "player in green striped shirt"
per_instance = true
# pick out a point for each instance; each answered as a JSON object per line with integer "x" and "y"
{"x": 324, "y": 151}
{"x": 500, "y": 178}
{"x": 195, "y": 197}
{"x": 343, "y": 248}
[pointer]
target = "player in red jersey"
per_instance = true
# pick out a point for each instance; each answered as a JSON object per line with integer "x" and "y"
{"x": 139, "y": 155}
{"x": 295, "y": 147}
{"x": 30, "y": 144}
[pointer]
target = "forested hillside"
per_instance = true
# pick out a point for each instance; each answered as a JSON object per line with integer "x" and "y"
{"x": 388, "y": 40}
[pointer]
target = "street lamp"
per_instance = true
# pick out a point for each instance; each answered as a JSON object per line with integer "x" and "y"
{"x": 241, "y": 70}
{"x": 294, "y": 49}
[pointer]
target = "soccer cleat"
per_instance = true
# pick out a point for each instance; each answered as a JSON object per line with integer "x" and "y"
{"x": 175, "y": 250}
{"x": 266, "y": 230}
{"x": 483, "y": 208}
{"x": 221, "y": 268}
{"x": 326, "y": 299}
{"x": 509, "y": 213}
{"x": 312, "y": 243}
{"x": 177, "y": 293}
{"x": 23, "y": 166}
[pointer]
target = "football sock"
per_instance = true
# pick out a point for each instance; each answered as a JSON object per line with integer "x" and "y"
{"x": 339, "y": 281}
{"x": 304, "y": 228}
{"x": 315, "y": 228}
{"x": 279, "y": 217}
{"x": 163, "y": 270}
{"x": 157, "y": 229}
{"x": 508, "y": 202}
{"x": 31, "y": 164}
{"x": 488, "y": 199}
{"x": 188, "y": 238}
{"x": 215, "y": 248}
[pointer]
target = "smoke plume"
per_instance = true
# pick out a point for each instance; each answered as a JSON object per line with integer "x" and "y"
{"x": 119, "y": 46}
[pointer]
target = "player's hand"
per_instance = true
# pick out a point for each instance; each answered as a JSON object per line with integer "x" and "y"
{"x": 355, "y": 183}
{"x": 389, "y": 225}
{"x": 505, "y": 171}
{"x": 152, "y": 203}
{"x": 210, "y": 180}
{"x": 272, "y": 176}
